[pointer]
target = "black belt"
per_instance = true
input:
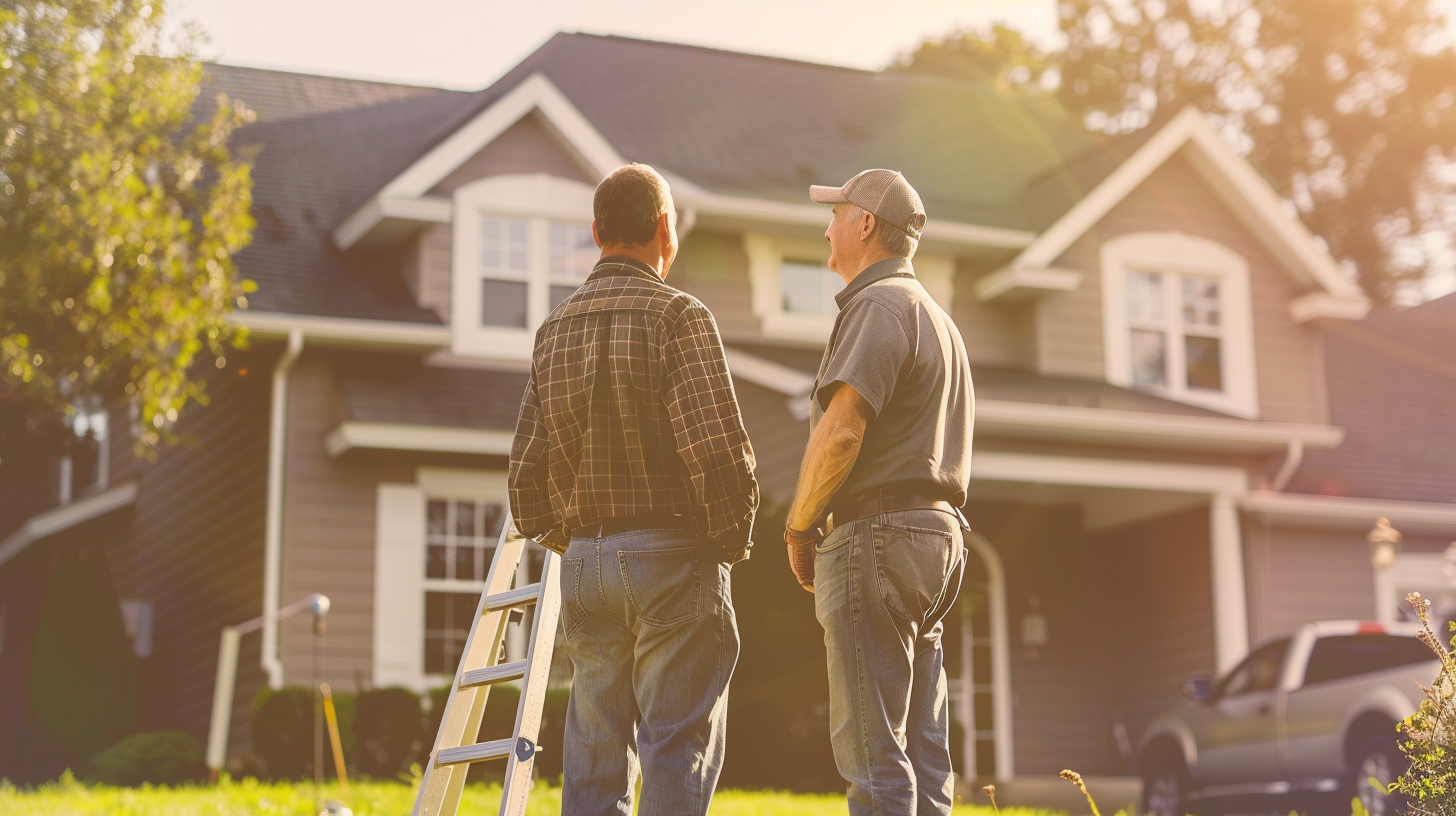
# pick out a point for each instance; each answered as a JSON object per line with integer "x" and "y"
{"x": 630, "y": 524}
{"x": 875, "y": 503}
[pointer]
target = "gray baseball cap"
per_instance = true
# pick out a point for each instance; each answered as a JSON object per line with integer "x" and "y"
{"x": 885, "y": 193}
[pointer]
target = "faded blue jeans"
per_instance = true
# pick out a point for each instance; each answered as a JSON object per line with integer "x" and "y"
{"x": 650, "y": 630}
{"x": 882, "y": 585}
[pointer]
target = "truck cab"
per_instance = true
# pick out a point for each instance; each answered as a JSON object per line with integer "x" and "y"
{"x": 1312, "y": 715}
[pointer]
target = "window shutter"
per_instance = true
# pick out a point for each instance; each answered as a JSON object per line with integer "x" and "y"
{"x": 399, "y": 598}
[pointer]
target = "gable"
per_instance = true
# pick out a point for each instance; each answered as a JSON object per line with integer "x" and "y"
{"x": 528, "y": 146}
{"x": 1177, "y": 198}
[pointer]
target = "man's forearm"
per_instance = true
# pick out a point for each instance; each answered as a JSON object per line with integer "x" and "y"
{"x": 833, "y": 449}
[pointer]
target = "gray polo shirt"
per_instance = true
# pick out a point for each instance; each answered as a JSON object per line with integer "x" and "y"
{"x": 895, "y": 346}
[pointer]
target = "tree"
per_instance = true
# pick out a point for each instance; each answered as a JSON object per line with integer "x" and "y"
{"x": 1000, "y": 57}
{"x": 119, "y": 216}
{"x": 1348, "y": 106}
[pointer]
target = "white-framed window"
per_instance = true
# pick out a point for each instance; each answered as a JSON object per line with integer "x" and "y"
{"x": 435, "y": 542}
{"x": 1177, "y": 320}
{"x": 794, "y": 289}
{"x": 85, "y": 461}
{"x": 522, "y": 244}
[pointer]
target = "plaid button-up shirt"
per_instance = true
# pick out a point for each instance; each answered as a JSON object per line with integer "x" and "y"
{"x": 630, "y": 412}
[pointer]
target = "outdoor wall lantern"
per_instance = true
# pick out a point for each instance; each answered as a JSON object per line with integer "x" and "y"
{"x": 1033, "y": 628}
{"x": 1384, "y": 543}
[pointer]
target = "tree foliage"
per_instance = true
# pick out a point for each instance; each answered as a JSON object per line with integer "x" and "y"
{"x": 1348, "y": 106}
{"x": 119, "y": 216}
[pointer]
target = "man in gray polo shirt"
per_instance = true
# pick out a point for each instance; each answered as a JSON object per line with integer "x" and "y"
{"x": 885, "y": 473}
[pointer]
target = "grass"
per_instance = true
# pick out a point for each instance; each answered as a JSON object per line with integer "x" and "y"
{"x": 248, "y": 797}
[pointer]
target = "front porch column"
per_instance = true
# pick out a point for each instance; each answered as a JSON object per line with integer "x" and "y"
{"x": 1230, "y": 604}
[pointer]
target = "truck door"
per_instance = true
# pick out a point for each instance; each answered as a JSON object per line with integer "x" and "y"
{"x": 1237, "y": 731}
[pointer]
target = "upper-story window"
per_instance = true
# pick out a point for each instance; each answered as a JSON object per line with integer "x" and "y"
{"x": 522, "y": 245}
{"x": 794, "y": 288}
{"x": 1177, "y": 320}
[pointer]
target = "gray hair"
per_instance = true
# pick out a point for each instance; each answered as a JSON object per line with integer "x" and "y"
{"x": 894, "y": 240}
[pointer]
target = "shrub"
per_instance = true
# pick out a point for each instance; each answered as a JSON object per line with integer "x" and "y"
{"x": 283, "y": 731}
{"x": 389, "y": 731}
{"x": 152, "y": 757}
{"x": 1430, "y": 784}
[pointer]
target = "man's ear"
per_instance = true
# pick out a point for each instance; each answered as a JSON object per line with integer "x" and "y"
{"x": 664, "y": 230}
{"x": 867, "y": 227}
{"x": 596, "y": 237}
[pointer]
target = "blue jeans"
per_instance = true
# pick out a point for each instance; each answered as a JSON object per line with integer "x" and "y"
{"x": 882, "y": 585}
{"x": 650, "y": 630}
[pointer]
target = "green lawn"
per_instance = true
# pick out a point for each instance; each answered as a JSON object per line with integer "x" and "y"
{"x": 248, "y": 797}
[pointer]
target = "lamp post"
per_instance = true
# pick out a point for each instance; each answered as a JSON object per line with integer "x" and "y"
{"x": 1384, "y": 544}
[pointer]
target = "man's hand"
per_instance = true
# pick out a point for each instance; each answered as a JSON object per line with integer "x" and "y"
{"x": 801, "y": 554}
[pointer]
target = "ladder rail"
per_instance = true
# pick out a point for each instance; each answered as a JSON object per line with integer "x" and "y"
{"x": 482, "y": 665}
{"x": 441, "y": 785}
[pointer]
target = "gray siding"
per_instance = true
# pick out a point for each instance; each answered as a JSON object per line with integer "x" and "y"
{"x": 713, "y": 268}
{"x": 329, "y": 531}
{"x": 778, "y": 439}
{"x": 428, "y": 269}
{"x": 996, "y": 334}
{"x": 528, "y": 146}
{"x": 196, "y": 547}
{"x": 1069, "y": 327}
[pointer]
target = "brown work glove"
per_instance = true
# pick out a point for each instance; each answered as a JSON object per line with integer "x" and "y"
{"x": 801, "y": 554}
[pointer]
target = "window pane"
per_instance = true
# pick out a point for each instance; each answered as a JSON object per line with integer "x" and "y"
{"x": 437, "y": 561}
{"x": 571, "y": 251}
{"x": 435, "y": 520}
{"x": 1149, "y": 357}
{"x": 465, "y": 519}
{"x": 808, "y": 288}
{"x": 560, "y": 293}
{"x": 1145, "y": 297}
{"x": 504, "y": 244}
{"x": 1335, "y": 658}
{"x": 465, "y": 563}
{"x": 1200, "y": 302}
{"x": 1205, "y": 369}
{"x": 503, "y": 303}
{"x": 491, "y": 525}
{"x": 1259, "y": 671}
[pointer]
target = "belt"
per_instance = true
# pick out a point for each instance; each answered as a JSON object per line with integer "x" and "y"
{"x": 629, "y": 524}
{"x": 874, "y": 504}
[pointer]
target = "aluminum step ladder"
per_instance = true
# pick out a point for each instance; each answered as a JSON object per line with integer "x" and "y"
{"x": 481, "y": 667}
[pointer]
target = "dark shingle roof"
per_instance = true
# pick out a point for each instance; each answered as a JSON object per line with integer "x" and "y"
{"x": 1392, "y": 385}
{"x": 323, "y": 146}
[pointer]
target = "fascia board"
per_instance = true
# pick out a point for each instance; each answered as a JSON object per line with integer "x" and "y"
{"x": 349, "y": 436}
{"x": 737, "y": 210}
{"x": 358, "y": 227}
{"x": 1351, "y": 513}
{"x": 1322, "y": 304}
{"x": 1142, "y": 429}
{"x": 59, "y": 519}
{"x": 344, "y": 331}
{"x": 1012, "y": 283}
{"x": 1112, "y": 473}
{"x": 750, "y": 367}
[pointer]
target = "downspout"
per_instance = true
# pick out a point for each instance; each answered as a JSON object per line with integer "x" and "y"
{"x": 273, "y": 531}
{"x": 1292, "y": 457}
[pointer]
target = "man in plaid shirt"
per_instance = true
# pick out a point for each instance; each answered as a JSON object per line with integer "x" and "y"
{"x": 631, "y": 460}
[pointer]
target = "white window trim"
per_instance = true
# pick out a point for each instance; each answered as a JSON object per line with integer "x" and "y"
{"x": 766, "y": 254}
{"x": 1179, "y": 253}
{"x": 537, "y": 198}
{"x": 400, "y": 583}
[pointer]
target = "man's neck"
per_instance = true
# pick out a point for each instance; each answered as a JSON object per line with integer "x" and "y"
{"x": 646, "y": 253}
{"x": 868, "y": 261}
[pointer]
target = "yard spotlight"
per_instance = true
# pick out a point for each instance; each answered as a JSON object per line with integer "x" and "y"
{"x": 227, "y": 671}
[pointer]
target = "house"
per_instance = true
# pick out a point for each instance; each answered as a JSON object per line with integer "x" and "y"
{"x": 1158, "y": 422}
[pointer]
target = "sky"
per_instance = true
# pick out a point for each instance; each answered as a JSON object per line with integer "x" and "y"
{"x": 465, "y": 44}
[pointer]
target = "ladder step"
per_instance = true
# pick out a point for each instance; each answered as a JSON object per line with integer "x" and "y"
{"x": 523, "y": 596}
{"x": 493, "y": 674}
{"x": 495, "y": 749}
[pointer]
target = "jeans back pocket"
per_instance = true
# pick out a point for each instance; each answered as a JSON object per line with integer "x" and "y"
{"x": 911, "y": 567}
{"x": 664, "y": 587}
{"x": 573, "y": 613}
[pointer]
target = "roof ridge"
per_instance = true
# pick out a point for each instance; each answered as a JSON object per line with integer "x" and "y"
{"x": 716, "y": 50}
{"x": 208, "y": 66}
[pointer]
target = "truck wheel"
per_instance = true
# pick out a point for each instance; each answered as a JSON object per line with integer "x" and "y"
{"x": 1373, "y": 766}
{"x": 1165, "y": 787}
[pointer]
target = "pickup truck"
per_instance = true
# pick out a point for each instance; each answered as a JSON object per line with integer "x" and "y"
{"x": 1310, "y": 716}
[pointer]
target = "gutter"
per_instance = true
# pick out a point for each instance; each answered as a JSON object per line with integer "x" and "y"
{"x": 1292, "y": 458}
{"x": 273, "y": 531}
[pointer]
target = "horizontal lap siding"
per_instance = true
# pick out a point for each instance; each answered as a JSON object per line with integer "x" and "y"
{"x": 778, "y": 439}
{"x": 528, "y": 146}
{"x": 1290, "y": 374}
{"x": 996, "y": 334}
{"x": 196, "y": 550}
{"x": 712, "y": 267}
{"x": 329, "y": 532}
